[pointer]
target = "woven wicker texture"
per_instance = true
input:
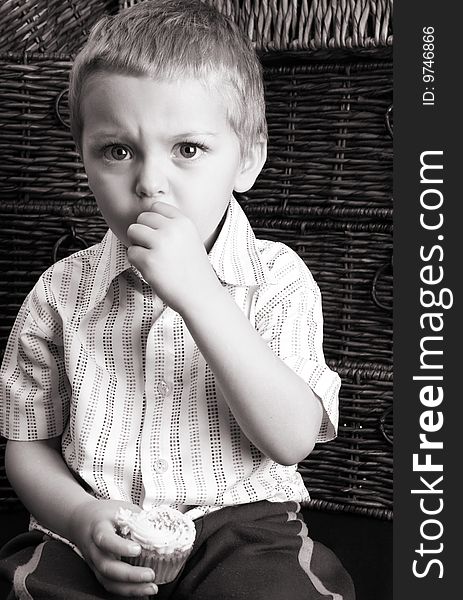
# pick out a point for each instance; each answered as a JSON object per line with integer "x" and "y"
{"x": 308, "y": 24}
{"x": 351, "y": 263}
{"x": 330, "y": 151}
{"x": 48, "y": 25}
{"x": 8, "y": 498}
{"x": 354, "y": 472}
{"x": 39, "y": 155}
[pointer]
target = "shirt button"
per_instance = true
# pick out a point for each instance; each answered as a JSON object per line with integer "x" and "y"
{"x": 160, "y": 465}
{"x": 163, "y": 388}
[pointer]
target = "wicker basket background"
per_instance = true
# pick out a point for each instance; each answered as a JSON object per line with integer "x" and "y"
{"x": 355, "y": 472}
{"x": 351, "y": 263}
{"x": 40, "y": 159}
{"x": 308, "y": 24}
{"x": 61, "y": 26}
{"x": 330, "y": 151}
{"x": 49, "y": 25}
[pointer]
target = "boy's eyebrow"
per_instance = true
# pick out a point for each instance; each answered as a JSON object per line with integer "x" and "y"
{"x": 193, "y": 133}
{"x": 98, "y": 135}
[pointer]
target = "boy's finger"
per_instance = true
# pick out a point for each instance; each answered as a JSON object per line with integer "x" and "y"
{"x": 140, "y": 235}
{"x": 152, "y": 219}
{"x": 116, "y": 570}
{"x": 139, "y": 257}
{"x": 131, "y": 590}
{"x": 165, "y": 209}
{"x": 107, "y": 540}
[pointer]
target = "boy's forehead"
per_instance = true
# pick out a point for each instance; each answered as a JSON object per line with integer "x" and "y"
{"x": 185, "y": 105}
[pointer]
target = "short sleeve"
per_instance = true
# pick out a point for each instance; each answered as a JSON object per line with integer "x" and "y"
{"x": 34, "y": 390}
{"x": 288, "y": 315}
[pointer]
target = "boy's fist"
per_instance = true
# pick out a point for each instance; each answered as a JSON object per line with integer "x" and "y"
{"x": 169, "y": 253}
{"x": 93, "y": 532}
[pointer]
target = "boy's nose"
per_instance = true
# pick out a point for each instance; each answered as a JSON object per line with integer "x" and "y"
{"x": 151, "y": 182}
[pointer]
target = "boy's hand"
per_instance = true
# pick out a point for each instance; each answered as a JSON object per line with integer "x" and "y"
{"x": 169, "y": 253}
{"x": 92, "y": 529}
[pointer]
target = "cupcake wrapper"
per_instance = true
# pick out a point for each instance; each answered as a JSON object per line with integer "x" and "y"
{"x": 166, "y": 568}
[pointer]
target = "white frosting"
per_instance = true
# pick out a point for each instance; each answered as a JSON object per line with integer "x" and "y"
{"x": 163, "y": 529}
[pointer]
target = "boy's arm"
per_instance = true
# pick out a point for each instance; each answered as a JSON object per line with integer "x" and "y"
{"x": 47, "y": 488}
{"x": 275, "y": 408}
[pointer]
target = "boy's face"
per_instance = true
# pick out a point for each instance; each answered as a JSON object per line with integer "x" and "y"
{"x": 145, "y": 140}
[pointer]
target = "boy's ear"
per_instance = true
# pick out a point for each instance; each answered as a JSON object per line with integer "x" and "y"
{"x": 251, "y": 166}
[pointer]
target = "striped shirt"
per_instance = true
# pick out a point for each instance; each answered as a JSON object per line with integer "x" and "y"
{"x": 97, "y": 358}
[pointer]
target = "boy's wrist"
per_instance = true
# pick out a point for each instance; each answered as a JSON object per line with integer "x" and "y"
{"x": 204, "y": 300}
{"x": 75, "y": 526}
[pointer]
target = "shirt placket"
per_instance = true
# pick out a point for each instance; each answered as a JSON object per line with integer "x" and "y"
{"x": 155, "y": 455}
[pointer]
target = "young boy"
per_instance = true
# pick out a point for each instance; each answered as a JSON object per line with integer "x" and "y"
{"x": 180, "y": 360}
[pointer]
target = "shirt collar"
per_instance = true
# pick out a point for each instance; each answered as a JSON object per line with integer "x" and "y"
{"x": 110, "y": 261}
{"x": 234, "y": 257}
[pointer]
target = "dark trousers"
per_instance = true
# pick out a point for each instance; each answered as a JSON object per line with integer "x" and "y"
{"x": 258, "y": 551}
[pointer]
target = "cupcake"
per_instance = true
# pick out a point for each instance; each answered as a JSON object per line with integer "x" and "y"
{"x": 165, "y": 535}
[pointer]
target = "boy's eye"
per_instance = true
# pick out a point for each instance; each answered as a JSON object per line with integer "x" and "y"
{"x": 117, "y": 152}
{"x": 189, "y": 151}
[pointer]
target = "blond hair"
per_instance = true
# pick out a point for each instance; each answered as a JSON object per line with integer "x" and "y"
{"x": 171, "y": 39}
